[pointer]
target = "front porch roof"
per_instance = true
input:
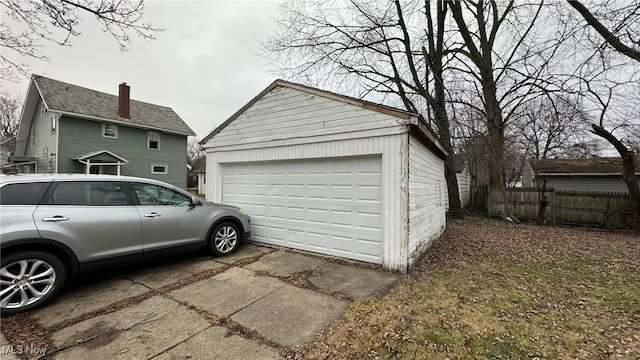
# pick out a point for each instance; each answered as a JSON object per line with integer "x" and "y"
{"x": 94, "y": 154}
{"x": 21, "y": 159}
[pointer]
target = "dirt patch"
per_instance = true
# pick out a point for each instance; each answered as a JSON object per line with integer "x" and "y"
{"x": 21, "y": 331}
{"x": 300, "y": 280}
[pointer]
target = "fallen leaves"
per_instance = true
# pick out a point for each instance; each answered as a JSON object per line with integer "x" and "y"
{"x": 488, "y": 289}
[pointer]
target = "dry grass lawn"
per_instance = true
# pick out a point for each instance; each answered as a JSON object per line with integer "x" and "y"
{"x": 489, "y": 289}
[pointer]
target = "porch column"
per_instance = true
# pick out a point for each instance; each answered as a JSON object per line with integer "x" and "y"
{"x": 88, "y": 167}
{"x": 118, "y": 172}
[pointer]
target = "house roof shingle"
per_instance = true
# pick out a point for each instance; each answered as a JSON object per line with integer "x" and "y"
{"x": 72, "y": 99}
{"x": 598, "y": 165}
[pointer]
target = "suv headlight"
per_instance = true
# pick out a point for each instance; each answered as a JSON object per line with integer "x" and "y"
{"x": 243, "y": 212}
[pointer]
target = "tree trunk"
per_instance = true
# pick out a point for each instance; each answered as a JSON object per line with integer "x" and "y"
{"x": 628, "y": 166}
{"x": 495, "y": 126}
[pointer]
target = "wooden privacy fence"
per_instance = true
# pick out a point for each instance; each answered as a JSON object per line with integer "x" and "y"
{"x": 564, "y": 207}
{"x": 479, "y": 196}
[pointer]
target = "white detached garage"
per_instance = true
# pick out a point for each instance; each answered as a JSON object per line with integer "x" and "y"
{"x": 331, "y": 174}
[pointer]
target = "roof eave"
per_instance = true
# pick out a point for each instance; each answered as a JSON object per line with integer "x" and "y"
{"x": 26, "y": 116}
{"x": 120, "y": 122}
{"x": 420, "y": 130}
{"x": 583, "y": 174}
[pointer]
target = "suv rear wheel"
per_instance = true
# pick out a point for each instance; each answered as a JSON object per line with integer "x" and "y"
{"x": 28, "y": 280}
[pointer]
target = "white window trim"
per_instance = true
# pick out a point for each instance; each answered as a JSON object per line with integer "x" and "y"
{"x": 149, "y": 140}
{"x": 103, "y": 131}
{"x": 166, "y": 169}
{"x": 54, "y": 124}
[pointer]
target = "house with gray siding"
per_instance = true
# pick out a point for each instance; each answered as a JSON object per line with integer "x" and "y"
{"x": 65, "y": 128}
{"x": 590, "y": 174}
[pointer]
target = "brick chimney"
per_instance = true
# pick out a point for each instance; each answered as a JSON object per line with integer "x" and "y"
{"x": 123, "y": 100}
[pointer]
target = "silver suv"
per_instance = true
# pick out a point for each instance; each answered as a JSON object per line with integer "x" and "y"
{"x": 55, "y": 226}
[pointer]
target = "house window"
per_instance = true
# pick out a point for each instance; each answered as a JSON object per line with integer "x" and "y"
{"x": 153, "y": 140}
{"x": 110, "y": 130}
{"x": 159, "y": 169}
{"x": 43, "y": 110}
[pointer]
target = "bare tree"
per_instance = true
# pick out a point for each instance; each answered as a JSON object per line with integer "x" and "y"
{"x": 194, "y": 151}
{"x": 547, "y": 128}
{"x": 504, "y": 59}
{"x": 606, "y": 79}
{"x": 628, "y": 27}
{"x": 395, "y": 50}
{"x": 56, "y": 21}
{"x": 9, "y": 116}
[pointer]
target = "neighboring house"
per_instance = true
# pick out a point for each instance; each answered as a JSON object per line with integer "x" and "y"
{"x": 66, "y": 128}
{"x": 331, "y": 174}
{"x": 464, "y": 179}
{"x": 592, "y": 174}
{"x": 7, "y": 145}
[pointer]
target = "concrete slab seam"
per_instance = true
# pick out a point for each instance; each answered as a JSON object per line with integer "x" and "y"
{"x": 176, "y": 345}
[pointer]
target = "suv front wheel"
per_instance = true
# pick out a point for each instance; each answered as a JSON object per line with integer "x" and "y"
{"x": 224, "y": 239}
{"x": 28, "y": 280}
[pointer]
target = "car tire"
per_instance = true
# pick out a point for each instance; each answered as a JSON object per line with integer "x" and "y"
{"x": 29, "y": 280}
{"x": 224, "y": 239}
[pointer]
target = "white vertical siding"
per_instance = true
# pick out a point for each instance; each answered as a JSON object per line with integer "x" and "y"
{"x": 464, "y": 187}
{"x": 427, "y": 199}
{"x": 393, "y": 151}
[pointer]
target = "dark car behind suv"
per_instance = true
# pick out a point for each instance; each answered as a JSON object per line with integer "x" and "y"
{"x": 55, "y": 226}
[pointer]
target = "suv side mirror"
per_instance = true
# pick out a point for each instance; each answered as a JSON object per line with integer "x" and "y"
{"x": 195, "y": 201}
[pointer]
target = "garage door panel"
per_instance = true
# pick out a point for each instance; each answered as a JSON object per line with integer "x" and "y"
{"x": 276, "y": 233}
{"x": 259, "y": 232}
{"x": 331, "y": 206}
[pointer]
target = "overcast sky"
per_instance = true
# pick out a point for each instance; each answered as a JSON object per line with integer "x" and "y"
{"x": 205, "y": 65}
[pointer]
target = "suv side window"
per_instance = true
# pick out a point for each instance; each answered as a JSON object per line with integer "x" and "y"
{"x": 23, "y": 194}
{"x": 88, "y": 193}
{"x": 150, "y": 194}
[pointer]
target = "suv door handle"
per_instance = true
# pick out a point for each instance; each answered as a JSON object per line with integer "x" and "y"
{"x": 55, "y": 219}
{"x": 152, "y": 215}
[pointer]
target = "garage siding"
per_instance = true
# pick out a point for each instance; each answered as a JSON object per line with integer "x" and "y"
{"x": 286, "y": 116}
{"x": 388, "y": 148}
{"x": 297, "y": 127}
{"x": 427, "y": 198}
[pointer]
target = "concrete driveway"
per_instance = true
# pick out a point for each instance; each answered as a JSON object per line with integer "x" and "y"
{"x": 254, "y": 304}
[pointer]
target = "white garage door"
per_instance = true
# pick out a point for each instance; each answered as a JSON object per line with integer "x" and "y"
{"x": 329, "y": 206}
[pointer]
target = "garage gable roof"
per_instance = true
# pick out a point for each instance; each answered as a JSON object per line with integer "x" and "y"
{"x": 427, "y": 132}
